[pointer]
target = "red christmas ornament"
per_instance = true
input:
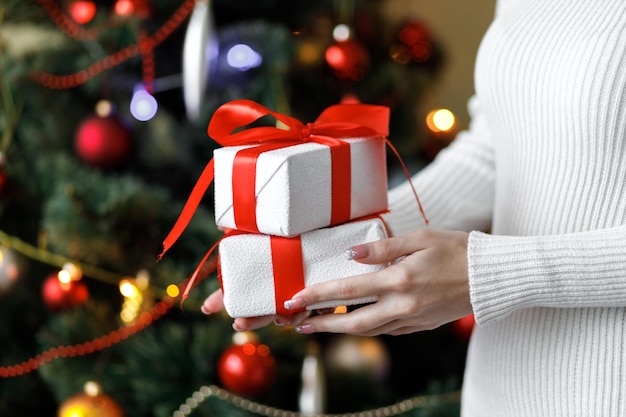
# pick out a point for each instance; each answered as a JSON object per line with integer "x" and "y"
{"x": 103, "y": 142}
{"x": 59, "y": 296}
{"x": 415, "y": 43}
{"x": 138, "y": 8}
{"x": 463, "y": 327}
{"x": 3, "y": 180}
{"x": 247, "y": 369}
{"x": 82, "y": 11}
{"x": 348, "y": 59}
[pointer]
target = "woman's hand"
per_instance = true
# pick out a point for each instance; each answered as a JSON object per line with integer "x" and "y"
{"x": 215, "y": 303}
{"x": 425, "y": 287}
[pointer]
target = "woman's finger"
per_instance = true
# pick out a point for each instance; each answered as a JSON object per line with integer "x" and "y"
{"x": 251, "y": 323}
{"x": 292, "y": 320}
{"x": 349, "y": 288}
{"x": 213, "y": 303}
{"x": 386, "y": 251}
{"x": 360, "y": 321}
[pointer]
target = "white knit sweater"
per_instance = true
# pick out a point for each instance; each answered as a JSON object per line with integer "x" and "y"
{"x": 543, "y": 164}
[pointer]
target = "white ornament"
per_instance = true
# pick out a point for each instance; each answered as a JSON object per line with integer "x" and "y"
{"x": 313, "y": 392}
{"x": 199, "y": 48}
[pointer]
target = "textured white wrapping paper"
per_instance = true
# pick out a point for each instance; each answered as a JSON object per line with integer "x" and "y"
{"x": 247, "y": 273}
{"x": 293, "y": 186}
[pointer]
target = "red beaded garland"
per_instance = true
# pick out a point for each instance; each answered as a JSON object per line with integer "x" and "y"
{"x": 76, "y": 31}
{"x": 88, "y": 347}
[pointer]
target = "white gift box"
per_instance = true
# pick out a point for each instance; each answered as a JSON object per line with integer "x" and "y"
{"x": 293, "y": 185}
{"x": 247, "y": 274}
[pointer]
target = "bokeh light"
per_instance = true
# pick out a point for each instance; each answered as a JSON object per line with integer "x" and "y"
{"x": 335, "y": 56}
{"x": 104, "y": 108}
{"x": 128, "y": 289}
{"x": 9, "y": 271}
{"x": 440, "y": 120}
{"x": 143, "y": 106}
{"x": 82, "y": 11}
{"x": 341, "y": 33}
{"x": 124, "y": 7}
{"x": 64, "y": 277}
{"x": 243, "y": 57}
{"x": 172, "y": 290}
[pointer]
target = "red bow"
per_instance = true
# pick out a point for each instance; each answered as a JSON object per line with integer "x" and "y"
{"x": 342, "y": 120}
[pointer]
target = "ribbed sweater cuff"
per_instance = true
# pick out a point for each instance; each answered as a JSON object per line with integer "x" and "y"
{"x": 585, "y": 269}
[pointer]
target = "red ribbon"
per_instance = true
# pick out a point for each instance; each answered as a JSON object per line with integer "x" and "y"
{"x": 339, "y": 121}
{"x": 244, "y": 181}
{"x": 288, "y": 267}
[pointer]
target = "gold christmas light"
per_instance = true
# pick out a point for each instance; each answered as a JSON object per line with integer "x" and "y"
{"x": 440, "y": 120}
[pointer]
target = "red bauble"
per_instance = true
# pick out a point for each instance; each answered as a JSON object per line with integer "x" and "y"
{"x": 103, "y": 142}
{"x": 247, "y": 369}
{"x": 415, "y": 43}
{"x": 59, "y": 296}
{"x": 348, "y": 59}
{"x": 138, "y": 8}
{"x": 82, "y": 11}
{"x": 3, "y": 180}
{"x": 463, "y": 327}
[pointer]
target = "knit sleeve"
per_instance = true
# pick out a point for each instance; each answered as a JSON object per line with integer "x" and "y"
{"x": 584, "y": 269}
{"x": 456, "y": 189}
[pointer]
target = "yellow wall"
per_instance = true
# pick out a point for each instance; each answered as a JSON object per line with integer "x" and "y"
{"x": 459, "y": 26}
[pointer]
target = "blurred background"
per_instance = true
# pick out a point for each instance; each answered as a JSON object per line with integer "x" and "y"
{"x": 104, "y": 107}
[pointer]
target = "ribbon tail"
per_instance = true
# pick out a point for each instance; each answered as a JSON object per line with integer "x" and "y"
{"x": 408, "y": 176}
{"x": 206, "y": 178}
{"x": 196, "y": 273}
{"x": 365, "y": 115}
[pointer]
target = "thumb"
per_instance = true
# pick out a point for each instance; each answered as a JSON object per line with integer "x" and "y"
{"x": 385, "y": 250}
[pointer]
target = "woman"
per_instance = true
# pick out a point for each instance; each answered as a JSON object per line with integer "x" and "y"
{"x": 543, "y": 164}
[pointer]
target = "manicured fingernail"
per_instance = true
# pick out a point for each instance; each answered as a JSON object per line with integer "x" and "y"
{"x": 205, "y": 310}
{"x": 357, "y": 252}
{"x": 295, "y": 303}
{"x": 236, "y": 327}
{"x": 305, "y": 329}
{"x": 279, "y": 323}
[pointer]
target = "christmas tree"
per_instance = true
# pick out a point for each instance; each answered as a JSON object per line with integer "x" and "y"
{"x": 103, "y": 119}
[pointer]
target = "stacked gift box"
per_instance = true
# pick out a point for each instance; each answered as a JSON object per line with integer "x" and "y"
{"x": 293, "y": 199}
